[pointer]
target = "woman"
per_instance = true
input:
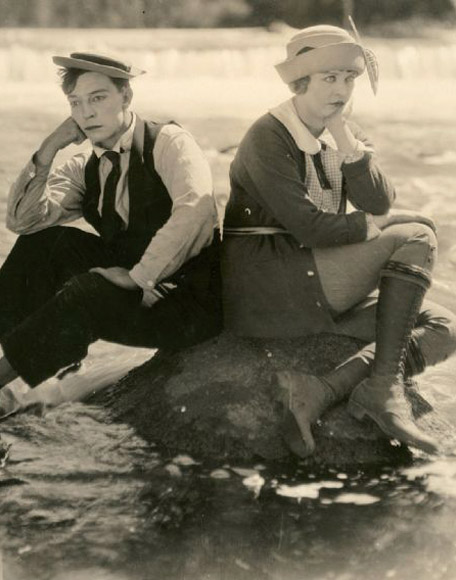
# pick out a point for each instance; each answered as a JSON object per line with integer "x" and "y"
{"x": 295, "y": 262}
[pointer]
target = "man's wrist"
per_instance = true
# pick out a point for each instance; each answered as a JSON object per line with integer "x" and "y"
{"x": 134, "y": 283}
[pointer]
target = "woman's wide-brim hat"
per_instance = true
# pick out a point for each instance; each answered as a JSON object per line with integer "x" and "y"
{"x": 111, "y": 67}
{"x": 324, "y": 48}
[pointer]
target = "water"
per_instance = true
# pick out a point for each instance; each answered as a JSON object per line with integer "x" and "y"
{"x": 83, "y": 498}
{"x": 25, "y": 55}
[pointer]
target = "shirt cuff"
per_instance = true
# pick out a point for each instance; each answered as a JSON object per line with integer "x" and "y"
{"x": 26, "y": 176}
{"x": 30, "y": 169}
{"x": 357, "y": 154}
{"x": 139, "y": 275}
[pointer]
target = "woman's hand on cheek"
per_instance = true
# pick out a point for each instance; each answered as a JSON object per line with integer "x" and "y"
{"x": 336, "y": 124}
{"x": 337, "y": 120}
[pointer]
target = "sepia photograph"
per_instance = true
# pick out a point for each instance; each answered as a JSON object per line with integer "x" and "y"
{"x": 228, "y": 290}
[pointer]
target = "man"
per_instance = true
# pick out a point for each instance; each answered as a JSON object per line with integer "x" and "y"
{"x": 296, "y": 263}
{"x": 150, "y": 276}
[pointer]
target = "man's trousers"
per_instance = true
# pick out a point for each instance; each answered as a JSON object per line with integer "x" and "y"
{"x": 52, "y": 308}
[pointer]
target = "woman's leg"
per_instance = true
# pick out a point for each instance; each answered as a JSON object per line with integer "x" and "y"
{"x": 350, "y": 273}
{"x": 406, "y": 254}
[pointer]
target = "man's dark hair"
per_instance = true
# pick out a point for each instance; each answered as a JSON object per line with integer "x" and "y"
{"x": 69, "y": 78}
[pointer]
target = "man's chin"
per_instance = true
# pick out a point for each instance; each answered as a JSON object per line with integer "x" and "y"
{"x": 99, "y": 143}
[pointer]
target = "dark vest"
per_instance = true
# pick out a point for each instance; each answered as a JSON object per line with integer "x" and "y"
{"x": 149, "y": 202}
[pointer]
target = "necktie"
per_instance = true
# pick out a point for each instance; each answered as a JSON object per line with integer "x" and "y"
{"x": 111, "y": 222}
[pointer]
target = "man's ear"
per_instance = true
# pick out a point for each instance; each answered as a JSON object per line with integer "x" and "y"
{"x": 127, "y": 95}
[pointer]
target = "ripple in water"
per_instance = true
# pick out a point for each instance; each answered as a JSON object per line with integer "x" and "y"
{"x": 85, "y": 498}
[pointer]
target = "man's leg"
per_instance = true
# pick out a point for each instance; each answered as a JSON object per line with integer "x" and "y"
{"x": 88, "y": 308}
{"x": 355, "y": 270}
{"x": 39, "y": 264}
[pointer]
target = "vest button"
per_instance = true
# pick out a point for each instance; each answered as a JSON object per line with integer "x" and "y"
{"x": 310, "y": 273}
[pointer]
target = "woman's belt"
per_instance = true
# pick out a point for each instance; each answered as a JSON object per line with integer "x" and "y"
{"x": 254, "y": 231}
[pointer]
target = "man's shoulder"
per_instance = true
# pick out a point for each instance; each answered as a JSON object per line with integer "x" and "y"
{"x": 169, "y": 136}
{"x": 164, "y": 133}
{"x": 78, "y": 161}
{"x": 168, "y": 128}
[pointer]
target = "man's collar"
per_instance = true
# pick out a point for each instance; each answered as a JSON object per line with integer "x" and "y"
{"x": 287, "y": 114}
{"x": 123, "y": 144}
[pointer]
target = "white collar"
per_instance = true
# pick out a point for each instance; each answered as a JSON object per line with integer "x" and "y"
{"x": 287, "y": 114}
{"x": 124, "y": 142}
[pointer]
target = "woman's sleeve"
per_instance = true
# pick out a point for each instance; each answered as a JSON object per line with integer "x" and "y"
{"x": 367, "y": 187}
{"x": 270, "y": 174}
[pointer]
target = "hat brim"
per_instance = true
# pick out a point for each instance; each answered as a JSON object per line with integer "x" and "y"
{"x": 340, "y": 56}
{"x": 110, "y": 71}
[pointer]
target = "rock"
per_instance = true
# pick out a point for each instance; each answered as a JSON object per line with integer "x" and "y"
{"x": 217, "y": 399}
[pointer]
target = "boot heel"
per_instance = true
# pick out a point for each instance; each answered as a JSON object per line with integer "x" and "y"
{"x": 356, "y": 410}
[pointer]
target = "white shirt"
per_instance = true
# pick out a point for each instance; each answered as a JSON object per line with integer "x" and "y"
{"x": 41, "y": 198}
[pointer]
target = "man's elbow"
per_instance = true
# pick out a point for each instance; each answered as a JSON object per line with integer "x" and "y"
{"x": 206, "y": 211}
{"x": 15, "y": 225}
{"x": 12, "y": 225}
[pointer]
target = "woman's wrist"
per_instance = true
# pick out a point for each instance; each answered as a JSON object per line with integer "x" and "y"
{"x": 381, "y": 221}
{"x": 373, "y": 228}
{"x": 356, "y": 155}
{"x": 346, "y": 142}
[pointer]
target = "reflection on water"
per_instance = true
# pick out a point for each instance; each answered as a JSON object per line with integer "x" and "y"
{"x": 83, "y": 498}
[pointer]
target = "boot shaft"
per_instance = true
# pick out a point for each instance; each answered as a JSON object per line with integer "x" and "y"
{"x": 402, "y": 290}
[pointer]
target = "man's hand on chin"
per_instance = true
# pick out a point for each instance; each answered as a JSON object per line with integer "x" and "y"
{"x": 118, "y": 276}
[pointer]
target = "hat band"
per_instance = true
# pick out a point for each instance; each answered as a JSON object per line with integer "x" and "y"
{"x": 343, "y": 56}
{"x": 101, "y": 60}
{"x": 305, "y": 49}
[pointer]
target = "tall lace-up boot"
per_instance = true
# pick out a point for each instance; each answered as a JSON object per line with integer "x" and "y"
{"x": 382, "y": 396}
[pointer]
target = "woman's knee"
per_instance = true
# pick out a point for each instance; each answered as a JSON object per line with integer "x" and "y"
{"x": 415, "y": 244}
{"x": 406, "y": 232}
